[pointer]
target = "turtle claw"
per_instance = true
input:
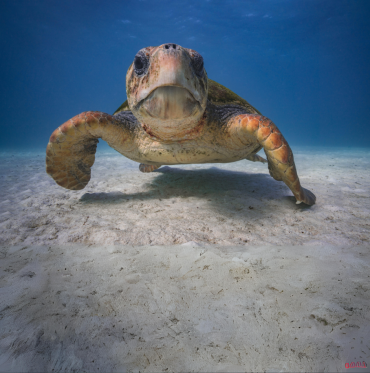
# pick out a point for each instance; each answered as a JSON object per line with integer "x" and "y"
{"x": 308, "y": 197}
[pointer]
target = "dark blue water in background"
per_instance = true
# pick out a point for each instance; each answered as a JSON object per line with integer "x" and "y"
{"x": 304, "y": 64}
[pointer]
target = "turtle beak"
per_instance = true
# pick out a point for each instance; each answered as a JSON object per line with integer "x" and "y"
{"x": 170, "y": 66}
{"x": 170, "y": 102}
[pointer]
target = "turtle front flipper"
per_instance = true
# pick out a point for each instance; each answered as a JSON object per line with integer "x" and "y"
{"x": 70, "y": 152}
{"x": 247, "y": 127}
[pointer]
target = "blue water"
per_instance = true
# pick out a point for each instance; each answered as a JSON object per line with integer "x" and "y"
{"x": 304, "y": 64}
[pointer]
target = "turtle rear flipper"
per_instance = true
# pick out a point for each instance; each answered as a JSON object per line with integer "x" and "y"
{"x": 148, "y": 167}
{"x": 71, "y": 150}
{"x": 256, "y": 158}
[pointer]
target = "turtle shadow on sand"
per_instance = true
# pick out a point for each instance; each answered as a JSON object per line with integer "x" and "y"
{"x": 225, "y": 190}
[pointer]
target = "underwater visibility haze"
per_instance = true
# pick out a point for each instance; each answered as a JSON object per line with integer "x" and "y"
{"x": 191, "y": 267}
{"x": 303, "y": 64}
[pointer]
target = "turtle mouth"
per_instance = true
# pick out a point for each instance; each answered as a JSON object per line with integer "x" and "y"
{"x": 170, "y": 102}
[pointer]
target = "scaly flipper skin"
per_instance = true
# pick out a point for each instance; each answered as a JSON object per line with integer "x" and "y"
{"x": 70, "y": 152}
{"x": 252, "y": 127}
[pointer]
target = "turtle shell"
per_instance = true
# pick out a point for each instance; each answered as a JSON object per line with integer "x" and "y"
{"x": 218, "y": 95}
{"x": 123, "y": 107}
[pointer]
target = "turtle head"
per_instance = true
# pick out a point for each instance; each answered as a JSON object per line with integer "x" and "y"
{"x": 167, "y": 90}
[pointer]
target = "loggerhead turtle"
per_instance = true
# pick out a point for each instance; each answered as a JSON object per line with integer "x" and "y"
{"x": 173, "y": 114}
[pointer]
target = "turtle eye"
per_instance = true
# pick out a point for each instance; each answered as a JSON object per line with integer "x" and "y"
{"x": 198, "y": 64}
{"x": 141, "y": 63}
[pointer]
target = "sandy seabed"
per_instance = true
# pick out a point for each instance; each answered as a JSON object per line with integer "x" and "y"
{"x": 189, "y": 268}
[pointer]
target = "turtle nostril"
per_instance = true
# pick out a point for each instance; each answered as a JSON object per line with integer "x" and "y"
{"x": 170, "y": 46}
